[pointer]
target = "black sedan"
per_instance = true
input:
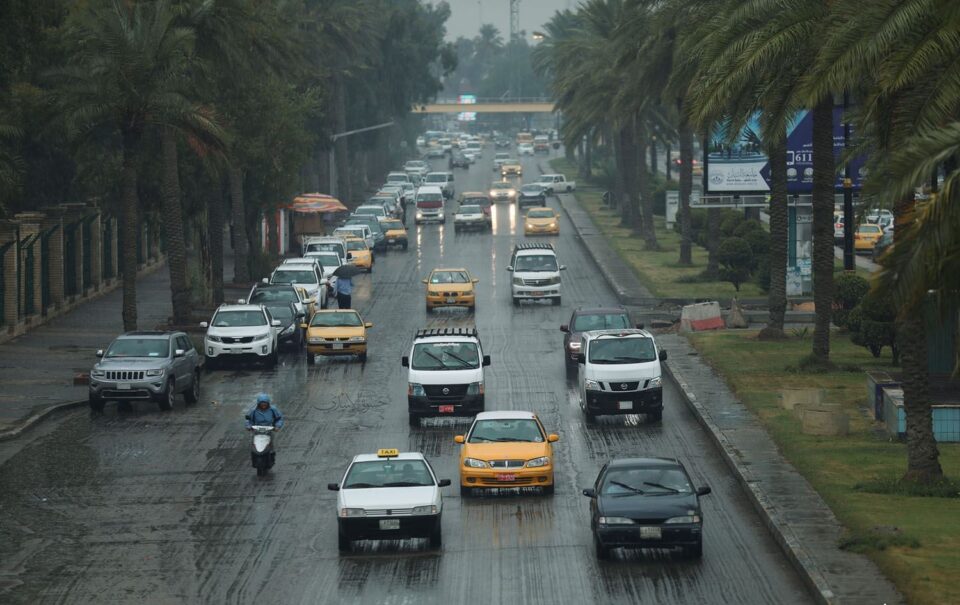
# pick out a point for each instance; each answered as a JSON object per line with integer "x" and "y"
{"x": 291, "y": 333}
{"x": 585, "y": 319}
{"x": 645, "y": 503}
{"x": 531, "y": 195}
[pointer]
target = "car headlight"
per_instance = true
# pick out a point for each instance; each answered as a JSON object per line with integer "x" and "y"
{"x": 474, "y": 463}
{"x": 574, "y": 345}
{"x": 541, "y": 461}
{"x": 517, "y": 281}
{"x": 654, "y": 383}
{"x": 553, "y": 224}
{"x": 213, "y": 338}
{"x": 314, "y": 340}
{"x": 419, "y": 214}
{"x": 475, "y": 388}
{"x": 155, "y": 372}
{"x": 552, "y": 281}
{"x": 353, "y": 512}
{"x": 615, "y": 521}
{"x": 416, "y": 390}
{"x": 288, "y": 329}
{"x": 684, "y": 519}
{"x": 425, "y": 510}
{"x": 358, "y": 339}
{"x": 262, "y": 336}
{"x": 591, "y": 385}
{"x": 511, "y": 192}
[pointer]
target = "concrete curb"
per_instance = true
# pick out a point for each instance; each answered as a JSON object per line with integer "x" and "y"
{"x": 35, "y": 418}
{"x": 788, "y": 541}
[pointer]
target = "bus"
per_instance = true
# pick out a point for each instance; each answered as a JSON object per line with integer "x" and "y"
{"x": 524, "y": 137}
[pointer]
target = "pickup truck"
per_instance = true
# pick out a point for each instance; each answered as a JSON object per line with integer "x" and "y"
{"x": 556, "y": 183}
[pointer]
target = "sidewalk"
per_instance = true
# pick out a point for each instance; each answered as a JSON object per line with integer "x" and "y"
{"x": 795, "y": 514}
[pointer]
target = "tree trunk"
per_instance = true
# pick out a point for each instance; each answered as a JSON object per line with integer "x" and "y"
{"x": 686, "y": 188}
{"x": 129, "y": 226}
{"x": 823, "y": 187}
{"x": 588, "y": 157}
{"x": 173, "y": 229}
{"x": 777, "y": 296}
{"x": 241, "y": 241}
{"x": 645, "y": 191}
{"x": 628, "y": 167}
{"x": 215, "y": 242}
{"x": 653, "y": 157}
{"x": 273, "y": 232}
{"x": 341, "y": 148}
{"x": 619, "y": 185}
{"x": 713, "y": 243}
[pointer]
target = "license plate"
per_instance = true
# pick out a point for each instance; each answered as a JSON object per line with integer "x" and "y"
{"x": 338, "y": 346}
{"x": 446, "y": 409}
{"x": 236, "y": 351}
{"x": 625, "y": 405}
{"x": 506, "y": 477}
{"x": 537, "y": 293}
{"x": 650, "y": 533}
{"x": 389, "y": 523}
{"x": 123, "y": 386}
{"x": 391, "y": 241}
{"x": 450, "y": 301}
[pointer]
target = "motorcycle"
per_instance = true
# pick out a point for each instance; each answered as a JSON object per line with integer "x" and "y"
{"x": 262, "y": 455}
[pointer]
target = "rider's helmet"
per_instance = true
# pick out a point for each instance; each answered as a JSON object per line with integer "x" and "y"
{"x": 263, "y": 400}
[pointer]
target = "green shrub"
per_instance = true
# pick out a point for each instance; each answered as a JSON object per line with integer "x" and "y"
{"x": 729, "y": 221}
{"x": 759, "y": 241}
{"x": 736, "y": 261}
{"x": 848, "y": 291}
{"x": 747, "y": 227}
{"x": 871, "y": 325}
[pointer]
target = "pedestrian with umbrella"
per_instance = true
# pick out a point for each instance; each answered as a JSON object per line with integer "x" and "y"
{"x": 345, "y": 275}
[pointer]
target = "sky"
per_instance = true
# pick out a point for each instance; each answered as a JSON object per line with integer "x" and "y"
{"x": 467, "y": 15}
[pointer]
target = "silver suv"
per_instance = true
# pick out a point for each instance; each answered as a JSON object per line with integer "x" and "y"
{"x": 146, "y": 366}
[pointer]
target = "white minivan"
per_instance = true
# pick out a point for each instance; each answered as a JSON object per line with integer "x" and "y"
{"x": 619, "y": 373}
{"x": 536, "y": 273}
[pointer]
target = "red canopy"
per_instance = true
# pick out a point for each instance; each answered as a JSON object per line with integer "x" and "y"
{"x": 316, "y": 203}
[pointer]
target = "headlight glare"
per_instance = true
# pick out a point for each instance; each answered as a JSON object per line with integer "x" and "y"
{"x": 574, "y": 345}
{"x": 684, "y": 519}
{"x": 615, "y": 521}
{"x": 474, "y": 463}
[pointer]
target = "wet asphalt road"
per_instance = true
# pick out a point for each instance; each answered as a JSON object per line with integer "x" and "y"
{"x": 146, "y": 507}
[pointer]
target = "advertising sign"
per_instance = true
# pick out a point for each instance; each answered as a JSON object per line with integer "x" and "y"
{"x": 743, "y": 166}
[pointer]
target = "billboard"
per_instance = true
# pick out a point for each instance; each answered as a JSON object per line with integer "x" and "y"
{"x": 743, "y": 167}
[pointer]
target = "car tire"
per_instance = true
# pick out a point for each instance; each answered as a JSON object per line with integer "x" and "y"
{"x": 344, "y": 544}
{"x": 465, "y": 492}
{"x": 311, "y": 358}
{"x": 192, "y": 395}
{"x": 96, "y": 404}
{"x": 436, "y": 536}
{"x": 362, "y": 357}
{"x": 429, "y": 309}
{"x": 603, "y": 552}
{"x": 556, "y": 302}
{"x": 414, "y": 420}
{"x": 548, "y": 490}
{"x": 516, "y": 301}
{"x": 168, "y": 396}
{"x": 589, "y": 417}
{"x": 274, "y": 357}
{"x": 654, "y": 417}
{"x": 405, "y": 245}
{"x": 693, "y": 551}
{"x": 209, "y": 364}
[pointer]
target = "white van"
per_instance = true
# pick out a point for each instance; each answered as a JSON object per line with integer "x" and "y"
{"x": 536, "y": 273}
{"x": 619, "y": 373}
{"x": 445, "y": 375}
{"x": 324, "y": 243}
{"x": 429, "y": 205}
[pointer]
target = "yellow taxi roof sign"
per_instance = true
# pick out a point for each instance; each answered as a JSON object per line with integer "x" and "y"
{"x": 388, "y": 452}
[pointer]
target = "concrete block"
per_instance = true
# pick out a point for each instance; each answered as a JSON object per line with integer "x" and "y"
{"x": 791, "y": 398}
{"x": 824, "y": 419}
{"x": 701, "y": 316}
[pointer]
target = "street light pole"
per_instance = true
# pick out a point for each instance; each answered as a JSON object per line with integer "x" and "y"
{"x": 849, "y": 262}
{"x": 332, "y": 158}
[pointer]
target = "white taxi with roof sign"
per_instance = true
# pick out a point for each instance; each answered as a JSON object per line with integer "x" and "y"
{"x": 390, "y": 495}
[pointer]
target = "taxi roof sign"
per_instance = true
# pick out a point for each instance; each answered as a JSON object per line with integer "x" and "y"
{"x": 388, "y": 452}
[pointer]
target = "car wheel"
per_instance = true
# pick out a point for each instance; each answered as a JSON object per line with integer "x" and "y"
{"x": 344, "y": 544}
{"x": 590, "y": 417}
{"x": 516, "y": 301}
{"x": 694, "y": 551}
{"x": 210, "y": 364}
{"x": 362, "y": 357}
{"x": 556, "y": 302}
{"x": 465, "y": 492}
{"x": 168, "y": 396}
{"x": 548, "y": 490}
{"x": 429, "y": 308}
{"x": 653, "y": 417}
{"x": 274, "y": 357}
{"x": 311, "y": 358}
{"x": 96, "y": 404}
{"x": 414, "y": 420}
{"x": 436, "y": 537}
{"x": 603, "y": 552}
{"x": 193, "y": 395}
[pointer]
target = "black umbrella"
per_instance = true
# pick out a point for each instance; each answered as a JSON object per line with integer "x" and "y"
{"x": 347, "y": 271}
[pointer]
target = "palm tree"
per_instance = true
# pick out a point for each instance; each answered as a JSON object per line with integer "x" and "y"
{"x": 11, "y": 164}
{"x": 126, "y": 71}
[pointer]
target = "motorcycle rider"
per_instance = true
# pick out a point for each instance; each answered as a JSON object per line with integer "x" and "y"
{"x": 264, "y": 413}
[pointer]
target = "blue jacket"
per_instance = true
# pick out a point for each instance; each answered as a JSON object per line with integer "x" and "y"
{"x": 268, "y": 417}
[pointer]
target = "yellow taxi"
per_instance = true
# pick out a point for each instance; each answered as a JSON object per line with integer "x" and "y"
{"x": 336, "y": 332}
{"x": 394, "y": 232}
{"x": 508, "y": 449}
{"x": 541, "y": 220}
{"x": 866, "y": 237}
{"x": 360, "y": 254}
{"x": 450, "y": 288}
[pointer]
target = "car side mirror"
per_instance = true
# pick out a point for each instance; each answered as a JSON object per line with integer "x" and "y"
{"x": 590, "y": 492}
{"x": 368, "y": 325}
{"x": 563, "y": 267}
{"x": 476, "y": 280}
{"x": 349, "y": 255}
{"x": 264, "y": 281}
{"x": 443, "y": 483}
{"x": 179, "y": 353}
{"x": 486, "y": 360}
{"x": 663, "y": 355}
{"x": 304, "y": 326}
{"x": 203, "y": 324}
{"x": 405, "y": 361}
{"x": 424, "y": 280}
{"x": 99, "y": 353}
{"x": 510, "y": 268}
{"x": 581, "y": 359}
{"x": 564, "y": 328}
{"x": 275, "y": 323}
{"x": 703, "y": 491}
{"x": 639, "y": 326}
{"x": 333, "y": 487}
{"x": 241, "y": 301}
{"x": 553, "y": 438}
{"x": 310, "y": 301}
{"x": 458, "y": 439}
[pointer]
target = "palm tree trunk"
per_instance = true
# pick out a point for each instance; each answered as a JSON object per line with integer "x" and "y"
{"x": 653, "y": 157}
{"x": 713, "y": 243}
{"x": 215, "y": 241}
{"x": 173, "y": 229}
{"x": 627, "y": 168}
{"x": 129, "y": 225}
{"x": 686, "y": 188}
{"x": 341, "y": 148}
{"x": 777, "y": 296}
{"x": 588, "y": 156}
{"x": 644, "y": 190}
{"x": 823, "y": 187}
{"x": 241, "y": 242}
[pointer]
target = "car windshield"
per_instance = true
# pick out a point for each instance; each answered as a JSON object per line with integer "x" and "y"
{"x": 868, "y": 229}
{"x": 651, "y": 481}
{"x": 139, "y": 347}
{"x": 470, "y": 210}
{"x": 392, "y": 225}
{"x": 501, "y": 185}
{"x": 324, "y": 246}
{"x": 397, "y": 178}
{"x": 350, "y": 232}
{"x": 541, "y": 214}
{"x": 502, "y": 156}
{"x": 600, "y": 321}
{"x": 374, "y": 211}
{"x": 622, "y": 350}
{"x": 479, "y": 201}
{"x": 336, "y": 319}
{"x": 430, "y": 198}
{"x": 369, "y": 221}
{"x": 327, "y": 259}
{"x": 536, "y": 262}
{"x": 531, "y": 189}
{"x": 238, "y": 319}
{"x": 436, "y": 178}
{"x": 294, "y": 276}
{"x": 445, "y": 356}
{"x": 274, "y": 295}
{"x": 506, "y": 429}
{"x": 356, "y": 245}
{"x": 388, "y": 473}
{"x": 512, "y": 161}
{"x": 284, "y": 314}
{"x": 449, "y": 277}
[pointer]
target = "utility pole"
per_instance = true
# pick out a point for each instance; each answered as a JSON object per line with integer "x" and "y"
{"x": 333, "y": 156}
{"x": 514, "y": 19}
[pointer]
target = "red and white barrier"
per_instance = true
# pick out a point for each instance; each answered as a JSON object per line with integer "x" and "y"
{"x": 701, "y": 316}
